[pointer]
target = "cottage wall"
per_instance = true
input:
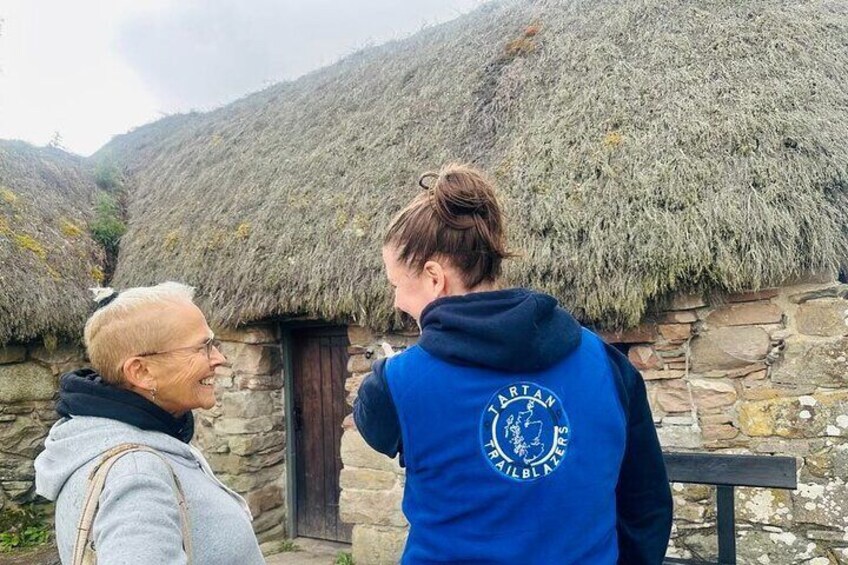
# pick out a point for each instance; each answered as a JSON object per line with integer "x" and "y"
{"x": 28, "y": 383}
{"x": 762, "y": 372}
{"x": 244, "y": 436}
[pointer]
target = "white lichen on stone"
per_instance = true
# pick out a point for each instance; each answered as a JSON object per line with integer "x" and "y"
{"x": 786, "y": 537}
{"x": 805, "y": 415}
{"x": 810, "y": 490}
{"x": 832, "y": 430}
{"x": 842, "y": 421}
{"x": 807, "y": 401}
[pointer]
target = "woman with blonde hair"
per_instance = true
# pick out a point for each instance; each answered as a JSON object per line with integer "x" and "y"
{"x": 525, "y": 438}
{"x": 128, "y": 486}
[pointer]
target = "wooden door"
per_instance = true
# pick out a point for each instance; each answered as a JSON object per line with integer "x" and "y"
{"x": 319, "y": 370}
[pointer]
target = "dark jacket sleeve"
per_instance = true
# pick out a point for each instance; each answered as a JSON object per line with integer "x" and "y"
{"x": 643, "y": 495}
{"x": 375, "y": 414}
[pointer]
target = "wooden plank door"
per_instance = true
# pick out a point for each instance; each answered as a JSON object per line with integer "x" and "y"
{"x": 319, "y": 370}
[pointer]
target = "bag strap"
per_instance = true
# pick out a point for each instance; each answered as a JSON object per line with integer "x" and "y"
{"x": 96, "y": 483}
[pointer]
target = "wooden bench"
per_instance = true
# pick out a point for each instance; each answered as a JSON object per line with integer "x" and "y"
{"x": 727, "y": 472}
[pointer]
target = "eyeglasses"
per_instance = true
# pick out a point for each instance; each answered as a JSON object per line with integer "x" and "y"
{"x": 207, "y": 345}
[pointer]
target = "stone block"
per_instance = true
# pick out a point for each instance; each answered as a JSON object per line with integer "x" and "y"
{"x": 718, "y": 432}
{"x": 233, "y": 464}
{"x": 360, "y": 335}
{"x": 359, "y": 364}
{"x": 826, "y": 317}
{"x": 828, "y": 461}
{"x": 773, "y": 545}
{"x": 764, "y": 506}
{"x": 729, "y": 348}
{"x": 674, "y": 396}
{"x": 755, "y": 370}
{"x": 247, "y": 425}
{"x": 274, "y": 381}
{"x": 645, "y": 333}
{"x": 16, "y": 468}
{"x": 687, "y": 437}
{"x": 18, "y": 491}
{"x": 269, "y": 519}
{"x": 687, "y": 511}
{"x": 687, "y": 302}
{"x": 356, "y": 453}
{"x": 753, "y": 296}
{"x": 375, "y": 545}
{"x": 259, "y": 334}
{"x": 366, "y": 479}
{"x": 823, "y": 503}
{"x": 22, "y": 436}
{"x": 271, "y": 539}
{"x": 381, "y": 508}
{"x": 675, "y": 332}
{"x": 246, "y": 482}
{"x": 254, "y": 443}
{"x": 802, "y": 417}
{"x": 644, "y": 357}
{"x": 250, "y": 404}
{"x": 813, "y": 362}
{"x": 662, "y": 375}
{"x": 746, "y": 314}
{"x": 12, "y": 354}
{"x": 816, "y": 292}
{"x": 207, "y": 441}
{"x": 764, "y": 390}
{"x": 60, "y": 355}
{"x": 26, "y": 381}
{"x": 250, "y": 359}
{"x": 352, "y": 382}
{"x": 680, "y": 317}
{"x": 711, "y": 394}
{"x": 265, "y": 498}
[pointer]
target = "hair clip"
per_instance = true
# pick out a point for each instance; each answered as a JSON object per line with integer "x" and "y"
{"x": 425, "y": 176}
{"x": 103, "y": 296}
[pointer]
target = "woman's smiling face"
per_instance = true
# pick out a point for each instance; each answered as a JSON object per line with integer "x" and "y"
{"x": 183, "y": 371}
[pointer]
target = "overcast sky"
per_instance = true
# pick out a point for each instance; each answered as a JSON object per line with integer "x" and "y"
{"x": 91, "y": 69}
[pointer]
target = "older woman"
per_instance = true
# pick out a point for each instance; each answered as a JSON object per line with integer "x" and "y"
{"x": 154, "y": 358}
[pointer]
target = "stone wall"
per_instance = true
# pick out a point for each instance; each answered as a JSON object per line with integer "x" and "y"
{"x": 371, "y": 483}
{"x": 762, "y": 373}
{"x": 28, "y": 384}
{"x": 244, "y": 436}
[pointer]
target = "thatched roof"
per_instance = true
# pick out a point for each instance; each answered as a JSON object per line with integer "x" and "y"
{"x": 642, "y": 147}
{"x": 47, "y": 255}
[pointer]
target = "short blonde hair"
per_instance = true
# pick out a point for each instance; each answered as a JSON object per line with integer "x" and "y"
{"x": 127, "y": 326}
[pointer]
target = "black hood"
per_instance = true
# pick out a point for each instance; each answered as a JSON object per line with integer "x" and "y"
{"x": 85, "y": 393}
{"x": 514, "y": 330}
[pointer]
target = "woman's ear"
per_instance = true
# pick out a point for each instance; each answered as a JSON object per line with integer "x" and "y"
{"x": 434, "y": 274}
{"x": 137, "y": 375}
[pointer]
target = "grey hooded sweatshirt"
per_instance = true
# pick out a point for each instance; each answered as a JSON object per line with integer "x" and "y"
{"x": 138, "y": 522}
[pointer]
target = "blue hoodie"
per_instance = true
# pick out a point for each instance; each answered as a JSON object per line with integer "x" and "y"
{"x": 525, "y": 438}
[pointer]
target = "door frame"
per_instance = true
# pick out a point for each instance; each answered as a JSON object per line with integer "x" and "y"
{"x": 286, "y": 330}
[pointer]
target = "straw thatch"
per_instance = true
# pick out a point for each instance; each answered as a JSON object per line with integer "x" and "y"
{"x": 48, "y": 258}
{"x": 642, "y": 147}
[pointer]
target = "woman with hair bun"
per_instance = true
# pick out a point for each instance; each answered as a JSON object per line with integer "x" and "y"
{"x": 525, "y": 438}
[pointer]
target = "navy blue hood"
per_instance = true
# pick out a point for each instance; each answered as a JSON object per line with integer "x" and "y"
{"x": 85, "y": 393}
{"x": 514, "y": 330}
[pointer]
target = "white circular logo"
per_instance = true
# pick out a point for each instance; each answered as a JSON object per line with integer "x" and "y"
{"x": 524, "y": 431}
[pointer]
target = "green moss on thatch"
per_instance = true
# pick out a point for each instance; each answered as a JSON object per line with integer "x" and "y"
{"x": 641, "y": 148}
{"x": 47, "y": 260}
{"x": 108, "y": 225}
